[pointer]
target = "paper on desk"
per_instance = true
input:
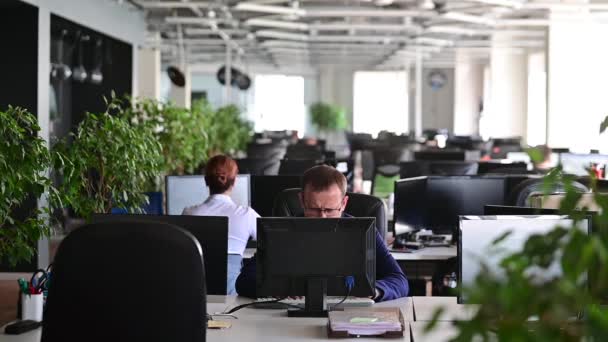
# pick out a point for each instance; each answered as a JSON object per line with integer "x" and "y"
{"x": 365, "y": 321}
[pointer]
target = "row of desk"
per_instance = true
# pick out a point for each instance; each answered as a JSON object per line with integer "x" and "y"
{"x": 274, "y": 326}
{"x": 425, "y": 254}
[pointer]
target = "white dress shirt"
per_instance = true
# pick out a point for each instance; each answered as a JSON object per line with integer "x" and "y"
{"x": 241, "y": 220}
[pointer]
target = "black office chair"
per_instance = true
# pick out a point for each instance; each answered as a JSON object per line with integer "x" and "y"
{"x": 302, "y": 151}
{"x": 287, "y": 203}
{"x": 258, "y": 166}
{"x": 266, "y": 151}
{"x": 297, "y": 167}
{"x": 452, "y": 168}
{"x": 132, "y": 281}
{"x": 518, "y": 168}
{"x": 521, "y": 193}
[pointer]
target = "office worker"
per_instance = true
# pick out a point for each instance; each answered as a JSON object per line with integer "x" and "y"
{"x": 324, "y": 195}
{"x": 220, "y": 174}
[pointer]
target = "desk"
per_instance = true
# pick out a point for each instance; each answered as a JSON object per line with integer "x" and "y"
{"x": 425, "y": 307}
{"x": 260, "y": 325}
{"x": 443, "y": 331}
{"x": 428, "y": 254}
{"x": 425, "y": 254}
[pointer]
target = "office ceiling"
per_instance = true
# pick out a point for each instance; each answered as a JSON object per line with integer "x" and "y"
{"x": 370, "y": 34}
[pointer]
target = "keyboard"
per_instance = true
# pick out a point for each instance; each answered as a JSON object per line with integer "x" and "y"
{"x": 351, "y": 302}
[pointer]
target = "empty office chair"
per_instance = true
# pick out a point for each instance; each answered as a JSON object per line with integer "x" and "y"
{"x": 287, "y": 203}
{"x": 386, "y": 170}
{"x": 266, "y": 151}
{"x": 302, "y": 151}
{"x": 131, "y": 281}
{"x": 521, "y": 193}
{"x": 297, "y": 167}
{"x": 455, "y": 168}
{"x": 258, "y": 167}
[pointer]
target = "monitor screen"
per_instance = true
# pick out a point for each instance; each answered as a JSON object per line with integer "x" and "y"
{"x": 578, "y": 164}
{"x": 293, "y": 253}
{"x": 264, "y": 190}
{"x": 210, "y": 231}
{"x": 436, "y": 202}
{"x": 477, "y": 234}
{"x": 186, "y": 191}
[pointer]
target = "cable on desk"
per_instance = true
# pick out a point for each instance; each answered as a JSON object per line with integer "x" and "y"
{"x": 349, "y": 282}
{"x": 275, "y": 301}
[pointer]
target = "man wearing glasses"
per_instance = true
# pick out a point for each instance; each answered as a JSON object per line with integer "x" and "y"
{"x": 324, "y": 195}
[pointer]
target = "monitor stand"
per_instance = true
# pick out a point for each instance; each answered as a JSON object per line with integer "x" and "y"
{"x": 315, "y": 304}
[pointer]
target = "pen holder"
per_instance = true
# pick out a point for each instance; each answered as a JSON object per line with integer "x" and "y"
{"x": 31, "y": 306}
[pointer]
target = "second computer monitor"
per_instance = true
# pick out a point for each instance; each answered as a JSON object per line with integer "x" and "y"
{"x": 296, "y": 256}
{"x": 477, "y": 234}
{"x": 187, "y": 191}
{"x": 436, "y": 202}
{"x": 210, "y": 231}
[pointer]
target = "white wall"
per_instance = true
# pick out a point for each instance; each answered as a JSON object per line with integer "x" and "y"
{"x": 468, "y": 94}
{"x": 336, "y": 87}
{"x": 437, "y": 105}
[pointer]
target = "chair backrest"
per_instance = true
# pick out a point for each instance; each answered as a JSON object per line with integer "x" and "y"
{"x": 301, "y": 151}
{"x": 287, "y": 203}
{"x": 258, "y": 166}
{"x": 128, "y": 281}
{"x": 297, "y": 167}
{"x": 520, "y": 195}
{"x": 266, "y": 151}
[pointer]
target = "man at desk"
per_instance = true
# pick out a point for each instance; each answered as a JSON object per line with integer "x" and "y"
{"x": 324, "y": 195}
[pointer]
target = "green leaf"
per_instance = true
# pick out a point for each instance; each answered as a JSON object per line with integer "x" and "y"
{"x": 604, "y": 125}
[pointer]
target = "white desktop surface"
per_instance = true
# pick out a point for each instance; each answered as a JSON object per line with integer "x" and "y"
{"x": 425, "y": 307}
{"x": 429, "y": 253}
{"x": 259, "y": 324}
{"x": 443, "y": 331}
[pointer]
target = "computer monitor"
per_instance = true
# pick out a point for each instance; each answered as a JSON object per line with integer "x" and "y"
{"x": 436, "y": 202}
{"x": 477, "y": 234}
{"x": 440, "y": 155}
{"x": 411, "y": 169}
{"x": 210, "y": 231}
{"x": 264, "y": 189}
{"x": 315, "y": 257}
{"x": 186, "y": 191}
{"x": 577, "y": 164}
{"x": 514, "y": 168}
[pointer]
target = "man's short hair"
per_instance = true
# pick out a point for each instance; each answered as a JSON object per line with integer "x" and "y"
{"x": 323, "y": 177}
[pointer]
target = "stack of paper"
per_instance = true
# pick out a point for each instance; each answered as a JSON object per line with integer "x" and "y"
{"x": 366, "y": 322}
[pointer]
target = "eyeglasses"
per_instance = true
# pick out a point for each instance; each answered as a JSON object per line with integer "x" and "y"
{"x": 326, "y": 211}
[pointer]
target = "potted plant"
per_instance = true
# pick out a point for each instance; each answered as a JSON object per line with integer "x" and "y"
{"x": 110, "y": 163}
{"x": 24, "y": 162}
{"x": 181, "y": 132}
{"x": 327, "y": 118}
{"x": 228, "y": 132}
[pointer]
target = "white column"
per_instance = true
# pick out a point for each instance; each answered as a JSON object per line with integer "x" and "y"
{"x": 182, "y": 96}
{"x": 149, "y": 73}
{"x": 44, "y": 70}
{"x": 576, "y": 78}
{"x": 418, "y": 99}
{"x": 508, "y": 101}
{"x": 468, "y": 93}
{"x": 228, "y": 85}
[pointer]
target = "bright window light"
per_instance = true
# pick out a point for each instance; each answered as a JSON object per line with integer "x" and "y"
{"x": 380, "y": 102}
{"x": 279, "y": 103}
{"x": 537, "y": 100}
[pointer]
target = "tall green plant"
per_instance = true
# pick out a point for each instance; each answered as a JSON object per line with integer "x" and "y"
{"x": 326, "y": 117}
{"x": 109, "y": 163}
{"x": 509, "y": 301}
{"x": 180, "y": 132}
{"x": 24, "y": 161}
{"x": 228, "y": 132}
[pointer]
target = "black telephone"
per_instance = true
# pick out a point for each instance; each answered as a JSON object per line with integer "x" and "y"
{"x": 20, "y": 327}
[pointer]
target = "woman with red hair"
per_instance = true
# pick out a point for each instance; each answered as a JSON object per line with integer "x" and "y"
{"x": 220, "y": 175}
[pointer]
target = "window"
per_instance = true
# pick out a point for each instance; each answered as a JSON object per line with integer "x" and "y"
{"x": 279, "y": 103}
{"x": 380, "y": 102}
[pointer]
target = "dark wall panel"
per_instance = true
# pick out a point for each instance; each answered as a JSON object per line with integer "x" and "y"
{"x": 19, "y": 56}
